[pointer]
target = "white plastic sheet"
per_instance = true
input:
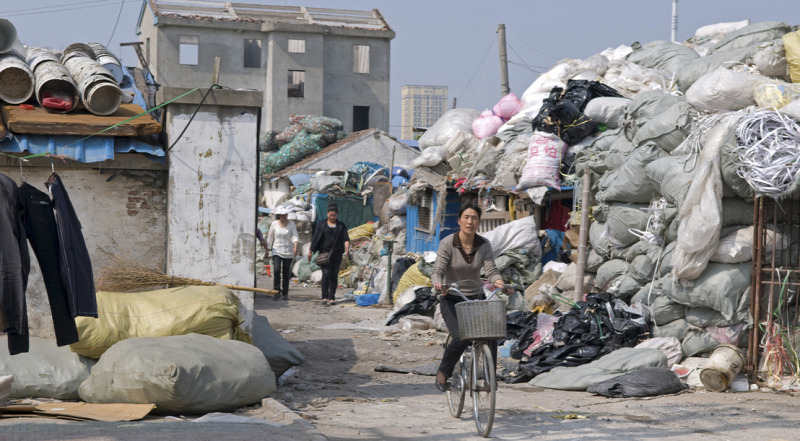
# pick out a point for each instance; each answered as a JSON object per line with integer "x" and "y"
{"x": 521, "y": 233}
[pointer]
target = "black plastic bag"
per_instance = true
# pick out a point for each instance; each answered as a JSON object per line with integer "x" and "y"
{"x": 424, "y": 304}
{"x": 647, "y": 382}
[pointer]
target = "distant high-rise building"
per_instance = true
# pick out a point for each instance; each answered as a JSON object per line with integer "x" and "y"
{"x": 422, "y": 106}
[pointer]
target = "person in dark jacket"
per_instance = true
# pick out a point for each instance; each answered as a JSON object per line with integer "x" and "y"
{"x": 330, "y": 236}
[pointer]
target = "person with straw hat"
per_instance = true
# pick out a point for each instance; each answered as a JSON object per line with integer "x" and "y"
{"x": 282, "y": 242}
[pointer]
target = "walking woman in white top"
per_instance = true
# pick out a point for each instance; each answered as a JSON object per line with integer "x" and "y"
{"x": 282, "y": 242}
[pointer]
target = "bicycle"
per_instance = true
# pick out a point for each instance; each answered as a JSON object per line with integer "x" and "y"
{"x": 479, "y": 321}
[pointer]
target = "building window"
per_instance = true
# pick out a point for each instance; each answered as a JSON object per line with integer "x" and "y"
{"x": 361, "y": 58}
{"x": 188, "y": 50}
{"x": 360, "y": 118}
{"x": 297, "y": 81}
{"x": 252, "y": 53}
{"x": 297, "y": 46}
{"x": 425, "y": 212}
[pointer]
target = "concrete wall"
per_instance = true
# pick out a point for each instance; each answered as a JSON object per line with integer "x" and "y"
{"x": 345, "y": 89}
{"x": 331, "y": 89}
{"x": 211, "y": 213}
{"x": 121, "y": 214}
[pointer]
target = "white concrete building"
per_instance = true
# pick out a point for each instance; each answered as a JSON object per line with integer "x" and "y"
{"x": 314, "y": 61}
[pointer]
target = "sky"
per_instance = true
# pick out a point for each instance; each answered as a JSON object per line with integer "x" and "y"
{"x": 449, "y": 43}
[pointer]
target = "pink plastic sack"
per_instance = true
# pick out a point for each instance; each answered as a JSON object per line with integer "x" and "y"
{"x": 542, "y": 167}
{"x": 508, "y": 106}
{"x": 486, "y": 124}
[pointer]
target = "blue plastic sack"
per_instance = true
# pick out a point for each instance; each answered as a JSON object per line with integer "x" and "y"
{"x": 367, "y": 299}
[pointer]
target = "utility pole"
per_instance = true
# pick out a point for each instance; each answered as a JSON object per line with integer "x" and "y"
{"x": 674, "y": 21}
{"x": 501, "y": 41}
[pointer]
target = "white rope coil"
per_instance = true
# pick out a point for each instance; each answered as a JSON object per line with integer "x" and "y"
{"x": 768, "y": 152}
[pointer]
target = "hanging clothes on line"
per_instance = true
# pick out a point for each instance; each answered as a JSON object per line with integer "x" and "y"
{"x": 76, "y": 267}
{"x": 14, "y": 266}
{"x": 40, "y": 227}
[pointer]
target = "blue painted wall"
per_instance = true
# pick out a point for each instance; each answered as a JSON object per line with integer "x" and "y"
{"x": 419, "y": 241}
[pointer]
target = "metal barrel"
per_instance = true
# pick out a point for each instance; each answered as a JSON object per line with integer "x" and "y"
{"x": 97, "y": 87}
{"x": 53, "y": 80}
{"x": 16, "y": 80}
{"x": 108, "y": 60}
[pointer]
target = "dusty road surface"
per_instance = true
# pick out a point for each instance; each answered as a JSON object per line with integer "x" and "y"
{"x": 338, "y": 390}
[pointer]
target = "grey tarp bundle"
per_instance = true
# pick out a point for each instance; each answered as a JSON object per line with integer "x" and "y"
{"x": 647, "y": 382}
{"x": 190, "y": 373}
{"x": 47, "y": 371}
{"x": 605, "y": 368}
{"x": 280, "y": 354}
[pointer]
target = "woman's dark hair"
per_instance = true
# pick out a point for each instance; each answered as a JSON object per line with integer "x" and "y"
{"x": 467, "y": 205}
{"x": 333, "y": 207}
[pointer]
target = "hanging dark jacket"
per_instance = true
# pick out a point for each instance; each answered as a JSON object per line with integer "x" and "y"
{"x": 76, "y": 267}
{"x": 14, "y": 259}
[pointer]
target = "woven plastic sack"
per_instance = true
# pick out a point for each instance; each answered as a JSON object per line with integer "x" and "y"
{"x": 704, "y": 65}
{"x": 644, "y": 107}
{"x": 664, "y": 55}
{"x": 446, "y": 127}
{"x": 720, "y": 288}
{"x": 412, "y": 277}
{"x": 507, "y": 107}
{"x": 362, "y": 231}
{"x": 557, "y": 76}
{"x": 303, "y": 144}
{"x": 676, "y": 328}
{"x": 486, "y": 124}
{"x": 188, "y": 374}
{"x": 622, "y": 218}
{"x": 607, "y": 110}
{"x": 771, "y": 60}
{"x": 280, "y": 353}
{"x": 669, "y": 128}
{"x": 544, "y": 161}
{"x": 704, "y": 317}
{"x": 631, "y": 183}
{"x": 208, "y": 310}
{"x": 791, "y": 45}
{"x": 751, "y": 35}
{"x": 46, "y": 371}
{"x": 266, "y": 142}
{"x": 299, "y": 119}
{"x": 723, "y": 89}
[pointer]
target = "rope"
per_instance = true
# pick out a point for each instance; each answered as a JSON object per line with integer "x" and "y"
{"x": 768, "y": 152}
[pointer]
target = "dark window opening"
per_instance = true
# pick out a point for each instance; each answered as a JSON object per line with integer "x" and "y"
{"x": 297, "y": 81}
{"x": 252, "y": 53}
{"x": 360, "y": 118}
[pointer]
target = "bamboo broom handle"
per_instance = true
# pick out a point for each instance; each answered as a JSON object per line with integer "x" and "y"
{"x": 182, "y": 281}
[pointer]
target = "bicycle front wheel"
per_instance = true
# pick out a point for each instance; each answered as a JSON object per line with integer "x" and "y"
{"x": 484, "y": 388}
{"x": 455, "y": 395}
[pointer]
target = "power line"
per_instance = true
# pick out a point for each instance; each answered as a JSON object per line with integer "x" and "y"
{"x": 121, "y": 5}
{"x": 54, "y": 6}
{"x": 62, "y": 8}
{"x": 532, "y": 48}
{"x": 476, "y": 70}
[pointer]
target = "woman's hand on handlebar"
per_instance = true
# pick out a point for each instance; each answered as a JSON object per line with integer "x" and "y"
{"x": 438, "y": 287}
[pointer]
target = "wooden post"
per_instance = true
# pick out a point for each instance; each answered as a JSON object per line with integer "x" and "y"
{"x": 501, "y": 42}
{"x": 583, "y": 236}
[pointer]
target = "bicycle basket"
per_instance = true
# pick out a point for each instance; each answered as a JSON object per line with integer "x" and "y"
{"x": 482, "y": 319}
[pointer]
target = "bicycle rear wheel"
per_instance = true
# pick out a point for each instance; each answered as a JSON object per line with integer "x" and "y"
{"x": 484, "y": 388}
{"x": 455, "y": 395}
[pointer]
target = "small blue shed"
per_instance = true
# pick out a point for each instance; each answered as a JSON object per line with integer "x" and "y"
{"x": 422, "y": 232}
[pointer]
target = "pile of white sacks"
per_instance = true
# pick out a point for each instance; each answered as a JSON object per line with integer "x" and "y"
{"x": 672, "y": 209}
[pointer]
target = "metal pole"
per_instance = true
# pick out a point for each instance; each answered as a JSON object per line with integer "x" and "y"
{"x": 674, "y": 21}
{"x": 390, "y": 249}
{"x": 501, "y": 41}
{"x": 583, "y": 236}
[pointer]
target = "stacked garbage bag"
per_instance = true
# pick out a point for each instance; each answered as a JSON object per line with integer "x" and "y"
{"x": 306, "y": 135}
{"x": 678, "y": 139}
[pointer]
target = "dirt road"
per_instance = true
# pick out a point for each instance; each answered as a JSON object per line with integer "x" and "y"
{"x": 338, "y": 390}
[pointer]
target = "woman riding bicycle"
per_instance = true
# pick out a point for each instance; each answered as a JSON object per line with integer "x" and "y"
{"x": 460, "y": 257}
